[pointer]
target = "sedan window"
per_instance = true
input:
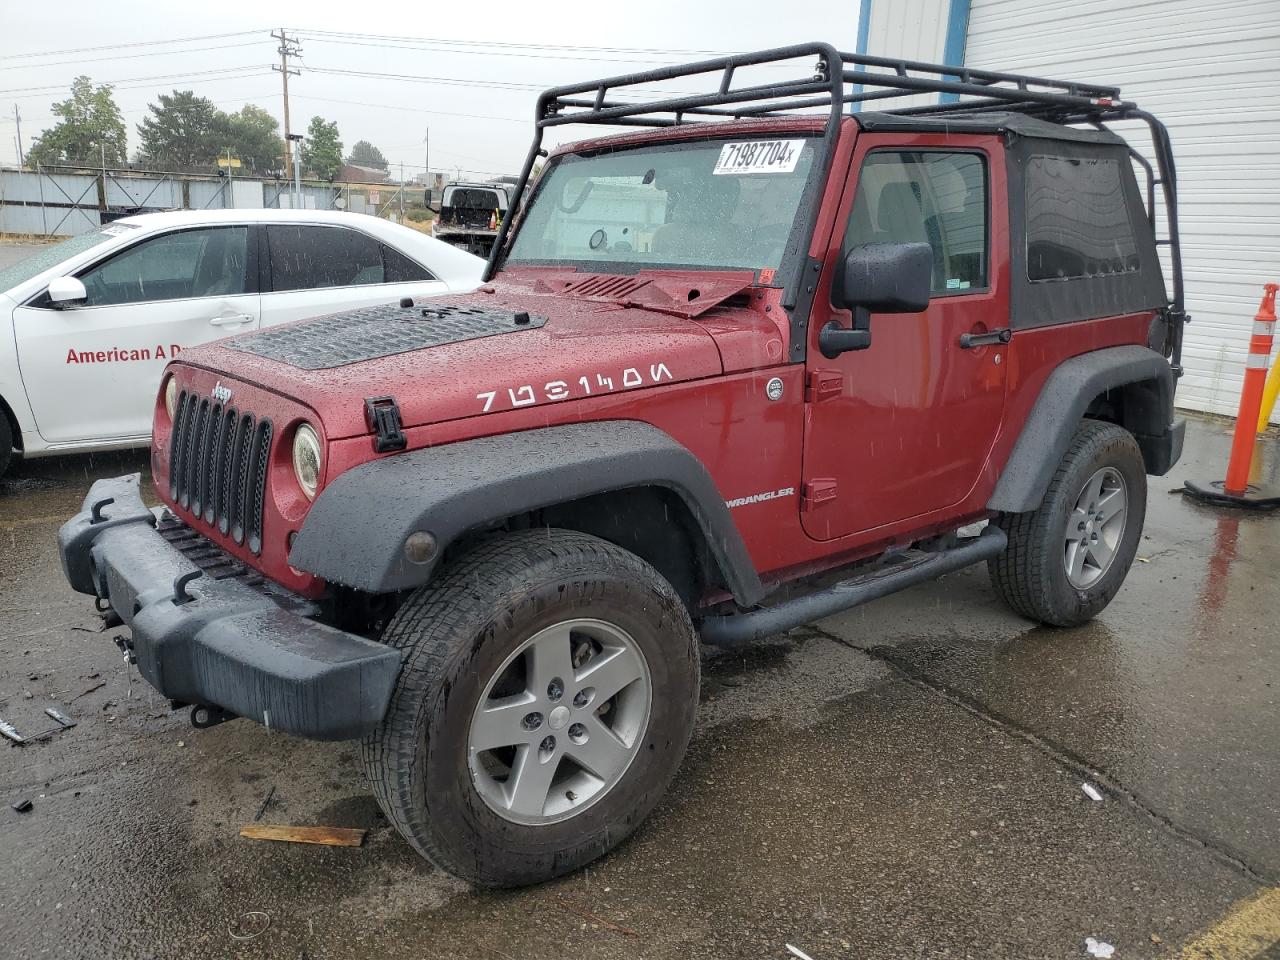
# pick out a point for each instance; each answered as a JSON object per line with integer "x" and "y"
{"x": 184, "y": 265}
{"x": 308, "y": 258}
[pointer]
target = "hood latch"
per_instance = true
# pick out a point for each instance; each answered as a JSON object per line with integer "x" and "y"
{"x": 383, "y": 416}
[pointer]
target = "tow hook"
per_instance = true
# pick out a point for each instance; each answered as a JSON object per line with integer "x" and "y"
{"x": 204, "y": 716}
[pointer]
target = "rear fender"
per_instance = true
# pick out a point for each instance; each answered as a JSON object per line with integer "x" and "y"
{"x": 1131, "y": 385}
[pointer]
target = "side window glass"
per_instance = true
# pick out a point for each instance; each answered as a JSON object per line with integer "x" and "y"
{"x": 308, "y": 258}
{"x": 1077, "y": 219}
{"x": 176, "y": 266}
{"x": 397, "y": 268}
{"x": 926, "y": 196}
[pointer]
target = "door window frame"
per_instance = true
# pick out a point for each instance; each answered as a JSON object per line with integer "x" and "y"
{"x": 987, "y": 233}
{"x": 40, "y": 301}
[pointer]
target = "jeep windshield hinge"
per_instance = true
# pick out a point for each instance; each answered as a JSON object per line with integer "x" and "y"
{"x": 383, "y": 416}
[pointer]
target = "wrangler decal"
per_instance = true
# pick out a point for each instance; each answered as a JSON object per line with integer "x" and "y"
{"x": 760, "y": 497}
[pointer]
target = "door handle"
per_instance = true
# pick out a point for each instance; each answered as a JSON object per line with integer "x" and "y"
{"x": 231, "y": 321}
{"x": 968, "y": 340}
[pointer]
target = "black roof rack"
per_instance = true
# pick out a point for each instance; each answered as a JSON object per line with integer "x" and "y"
{"x": 839, "y": 79}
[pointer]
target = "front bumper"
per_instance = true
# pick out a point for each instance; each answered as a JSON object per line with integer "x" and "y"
{"x": 222, "y": 639}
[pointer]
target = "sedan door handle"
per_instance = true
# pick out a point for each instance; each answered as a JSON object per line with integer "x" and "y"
{"x": 232, "y": 321}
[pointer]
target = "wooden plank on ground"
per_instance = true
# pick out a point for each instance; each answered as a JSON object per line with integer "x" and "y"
{"x": 329, "y": 836}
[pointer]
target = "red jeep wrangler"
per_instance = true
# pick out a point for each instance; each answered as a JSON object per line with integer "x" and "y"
{"x": 759, "y": 340}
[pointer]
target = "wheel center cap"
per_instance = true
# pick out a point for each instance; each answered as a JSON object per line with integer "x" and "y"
{"x": 558, "y": 718}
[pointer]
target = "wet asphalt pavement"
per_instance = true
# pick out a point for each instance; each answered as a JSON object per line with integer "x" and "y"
{"x": 900, "y": 781}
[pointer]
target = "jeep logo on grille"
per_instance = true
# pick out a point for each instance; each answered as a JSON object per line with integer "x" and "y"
{"x": 220, "y": 393}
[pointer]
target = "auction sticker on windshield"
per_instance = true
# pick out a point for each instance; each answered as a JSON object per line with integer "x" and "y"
{"x": 759, "y": 156}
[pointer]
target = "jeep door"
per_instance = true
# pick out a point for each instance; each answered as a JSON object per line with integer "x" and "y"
{"x": 318, "y": 269}
{"x": 91, "y": 370}
{"x": 900, "y": 432}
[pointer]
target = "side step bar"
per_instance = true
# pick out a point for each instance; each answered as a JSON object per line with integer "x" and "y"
{"x": 738, "y": 629}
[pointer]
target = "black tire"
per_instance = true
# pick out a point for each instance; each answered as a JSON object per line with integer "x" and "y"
{"x": 1031, "y": 574}
{"x": 6, "y": 443}
{"x": 456, "y": 633}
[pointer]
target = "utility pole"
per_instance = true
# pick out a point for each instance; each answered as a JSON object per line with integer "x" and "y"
{"x": 288, "y": 48}
{"x": 17, "y": 118}
{"x": 426, "y": 157}
{"x": 402, "y": 191}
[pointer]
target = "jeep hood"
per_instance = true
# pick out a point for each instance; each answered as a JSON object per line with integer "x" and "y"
{"x": 490, "y": 357}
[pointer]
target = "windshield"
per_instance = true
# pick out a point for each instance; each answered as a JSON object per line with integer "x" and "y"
{"x": 52, "y": 255}
{"x": 707, "y": 205}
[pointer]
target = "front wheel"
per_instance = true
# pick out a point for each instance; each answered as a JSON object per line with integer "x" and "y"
{"x": 548, "y": 693}
{"x": 6, "y": 443}
{"x": 1067, "y": 559}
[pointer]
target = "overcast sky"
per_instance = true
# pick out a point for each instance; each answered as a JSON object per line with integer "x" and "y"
{"x": 502, "y": 52}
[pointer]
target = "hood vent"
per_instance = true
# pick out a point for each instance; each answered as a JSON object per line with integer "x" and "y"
{"x": 604, "y": 287}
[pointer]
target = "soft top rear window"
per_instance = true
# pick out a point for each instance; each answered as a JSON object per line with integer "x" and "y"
{"x": 1078, "y": 222}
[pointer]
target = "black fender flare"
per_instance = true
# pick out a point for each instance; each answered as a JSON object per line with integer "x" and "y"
{"x": 355, "y": 531}
{"x": 1062, "y": 404}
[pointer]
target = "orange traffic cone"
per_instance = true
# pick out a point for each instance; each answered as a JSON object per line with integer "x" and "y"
{"x": 493, "y": 220}
{"x": 1236, "y": 490}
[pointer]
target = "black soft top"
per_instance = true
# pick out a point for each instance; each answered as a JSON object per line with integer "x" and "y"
{"x": 991, "y": 122}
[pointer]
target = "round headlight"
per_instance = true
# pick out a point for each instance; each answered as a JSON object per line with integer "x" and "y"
{"x": 171, "y": 396}
{"x": 306, "y": 459}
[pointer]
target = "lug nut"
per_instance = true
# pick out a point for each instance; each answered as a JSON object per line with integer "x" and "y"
{"x": 577, "y": 733}
{"x": 583, "y": 697}
{"x": 548, "y": 745}
{"x": 555, "y": 689}
{"x": 532, "y": 721}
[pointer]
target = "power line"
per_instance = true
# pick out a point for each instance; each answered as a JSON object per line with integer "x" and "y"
{"x": 140, "y": 43}
{"x": 391, "y": 106}
{"x": 55, "y": 88}
{"x": 130, "y": 56}
{"x": 490, "y": 44}
{"x": 485, "y": 84}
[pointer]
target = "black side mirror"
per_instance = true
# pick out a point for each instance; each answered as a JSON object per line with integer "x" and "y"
{"x": 877, "y": 278}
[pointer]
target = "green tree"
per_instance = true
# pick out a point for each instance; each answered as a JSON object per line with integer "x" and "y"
{"x": 180, "y": 132}
{"x": 365, "y": 154}
{"x": 252, "y": 135}
{"x": 322, "y": 150}
{"x": 89, "y": 129}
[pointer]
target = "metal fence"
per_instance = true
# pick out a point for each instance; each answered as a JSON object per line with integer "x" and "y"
{"x": 64, "y": 202}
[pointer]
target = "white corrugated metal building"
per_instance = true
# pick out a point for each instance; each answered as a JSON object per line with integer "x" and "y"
{"x": 1210, "y": 69}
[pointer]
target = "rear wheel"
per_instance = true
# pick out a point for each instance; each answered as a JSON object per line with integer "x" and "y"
{"x": 548, "y": 693}
{"x": 1067, "y": 559}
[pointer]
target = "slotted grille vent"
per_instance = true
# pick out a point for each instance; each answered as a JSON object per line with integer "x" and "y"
{"x": 218, "y": 467}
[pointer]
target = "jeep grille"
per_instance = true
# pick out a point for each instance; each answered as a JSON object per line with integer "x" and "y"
{"x": 218, "y": 467}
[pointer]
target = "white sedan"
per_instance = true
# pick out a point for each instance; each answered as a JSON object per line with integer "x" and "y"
{"x": 87, "y": 325}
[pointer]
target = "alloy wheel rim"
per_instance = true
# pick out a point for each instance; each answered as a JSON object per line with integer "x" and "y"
{"x": 1095, "y": 527}
{"x": 559, "y": 723}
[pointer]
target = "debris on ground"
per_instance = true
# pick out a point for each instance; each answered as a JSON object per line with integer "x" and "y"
{"x": 9, "y": 731}
{"x": 1156, "y": 938}
{"x": 59, "y": 717}
{"x": 327, "y": 836}
{"x": 797, "y": 952}
{"x": 249, "y": 926}
{"x": 266, "y": 802}
{"x": 85, "y": 693}
{"x": 22, "y": 806}
{"x": 594, "y": 918}
{"x": 1099, "y": 948}
{"x": 1090, "y": 791}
